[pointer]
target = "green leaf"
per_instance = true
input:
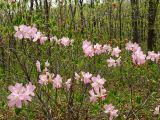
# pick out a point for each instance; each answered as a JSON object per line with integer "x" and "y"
{"x": 18, "y": 110}
{"x": 139, "y": 99}
{"x": 50, "y": 86}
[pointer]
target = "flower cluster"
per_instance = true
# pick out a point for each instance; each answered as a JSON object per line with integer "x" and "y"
{"x": 153, "y": 56}
{"x": 116, "y": 51}
{"x": 138, "y": 57}
{"x": 20, "y": 94}
{"x": 45, "y": 77}
{"x": 113, "y": 62}
{"x": 97, "y": 49}
{"x": 98, "y": 92}
{"x": 29, "y": 32}
{"x": 64, "y": 41}
{"x": 110, "y": 109}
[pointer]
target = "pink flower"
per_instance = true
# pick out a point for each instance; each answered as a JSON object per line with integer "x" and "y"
{"x": 111, "y": 62}
{"x": 43, "y": 79}
{"x": 17, "y": 95}
{"x": 106, "y": 48}
{"x": 153, "y": 56}
{"x": 93, "y": 97}
{"x": 68, "y": 84}
{"x": 88, "y": 48}
{"x": 132, "y": 46}
{"x": 89, "y": 51}
{"x": 29, "y": 32}
{"x": 97, "y": 94}
{"x": 42, "y": 39}
{"x": 57, "y": 82}
{"x": 38, "y": 66}
{"x": 97, "y": 49}
{"x": 37, "y": 36}
{"x": 97, "y": 82}
{"x": 29, "y": 92}
{"x": 110, "y": 109}
{"x": 20, "y": 94}
{"x": 116, "y": 51}
{"x": 18, "y": 33}
{"x": 65, "y": 41}
{"x": 86, "y": 44}
{"x": 86, "y": 77}
{"x": 138, "y": 57}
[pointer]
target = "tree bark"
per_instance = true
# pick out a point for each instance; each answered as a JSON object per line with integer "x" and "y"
{"x": 153, "y": 5}
{"x": 135, "y": 21}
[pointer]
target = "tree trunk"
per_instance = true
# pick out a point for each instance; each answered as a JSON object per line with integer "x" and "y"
{"x": 153, "y": 5}
{"x": 135, "y": 21}
{"x": 82, "y": 16}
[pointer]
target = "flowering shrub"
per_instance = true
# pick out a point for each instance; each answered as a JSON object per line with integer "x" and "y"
{"x": 29, "y": 32}
{"x": 54, "y": 88}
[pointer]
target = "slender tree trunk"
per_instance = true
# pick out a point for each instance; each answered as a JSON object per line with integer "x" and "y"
{"x": 31, "y": 10}
{"x": 2, "y": 56}
{"x": 73, "y": 12}
{"x": 110, "y": 21}
{"x": 82, "y": 16}
{"x": 153, "y": 5}
{"x": 135, "y": 21}
{"x": 46, "y": 8}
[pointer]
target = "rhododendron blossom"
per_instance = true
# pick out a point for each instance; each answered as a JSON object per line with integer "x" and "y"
{"x": 45, "y": 78}
{"x": 116, "y": 51}
{"x": 98, "y": 82}
{"x": 20, "y": 94}
{"x": 29, "y": 32}
{"x": 113, "y": 63}
{"x": 97, "y": 49}
{"x": 98, "y": 94}
{"x": 88, "y": 48}
{"x": 110, "y": 109}
{"x": 86, "y": 77}
{"x": 153, "y": 56}
{"x": 65, "y": 41}
{"x": 138, "y": 57}
{"x": 57, "y": 81}
{"x": 106, "y": 48}
{"x": 132, "y": 46}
